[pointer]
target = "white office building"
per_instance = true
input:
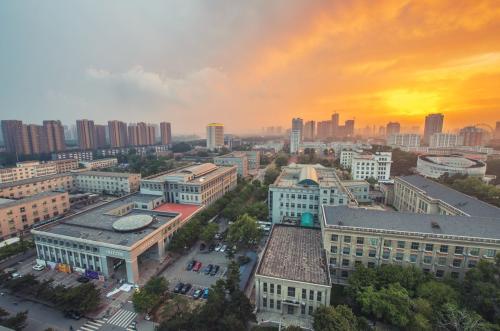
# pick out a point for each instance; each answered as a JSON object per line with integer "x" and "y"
{"x": 295, "y": 141}
{"x": 404, "y": 140}
{"x": 364, "y": 165}
{"x": 435, "y": 166}
{"x": 215, "y": 136}
{"x": 440, "y": 140}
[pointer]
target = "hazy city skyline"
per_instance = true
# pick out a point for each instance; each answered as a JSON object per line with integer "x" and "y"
{"x": 192, "y": 63}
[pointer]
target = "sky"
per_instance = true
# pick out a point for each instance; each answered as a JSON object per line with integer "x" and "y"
{"x": 250, "y": 64}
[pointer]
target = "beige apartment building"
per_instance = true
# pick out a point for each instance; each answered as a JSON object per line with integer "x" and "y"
{"x": 32, "y": 169}
{"x": 443, "y": 245}
{"x": 100, "y": 163}
{"x": 66, "y": 165}
{"x": 114, "y": 183}
{"x": 18, "y": 216}
{"x": 31, "y": 186}
{"x": 292, "y": 278}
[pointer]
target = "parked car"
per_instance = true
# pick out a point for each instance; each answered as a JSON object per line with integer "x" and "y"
{"x": 16, "y": 275}
{"x": 202, "y": 247}
{"x": 215, "y": 270}
{"x": 218, "y": 236}
{"x": 223, "y": 248}
{"x": 38, "y": 267}
{"x": 132, "y": 326}
{"x": 197, "y": 294}
{"x": 205, "y": 293}
{"x": 178, "y": 287}
{"x": 208, "y": 269}
{"x": 211, "y": 247}
{"x": 72, "y": 314}
{"x": 218, "y": 247}
{"x": 190, "y": 265}
{"x": 186, "y": 288}
{"x": 197, "y": 266}
{"x": 83, "y": 279}
{"x": 147, "y": 317}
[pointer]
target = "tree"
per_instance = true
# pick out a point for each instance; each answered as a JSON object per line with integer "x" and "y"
{"x": 271, "y": 174}
{"x": 150, "y": 295}
{"x": 209, "y": 232}
{"x": 292, "y": 328}
{"x": 181, "y": 147}
{"x": 81, "y": 298}
{"x": 437, "y": 294}
{"x": 339, "y": 318}
{"x": 16, "y": 322}
{"x": 244, "y": 232}
{"x": 455, "y": 319}
{"x": 402, "y": 162}
{"x": 281, "y": 160}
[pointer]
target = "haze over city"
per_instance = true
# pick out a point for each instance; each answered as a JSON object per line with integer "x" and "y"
{"x": 250, "y": 64}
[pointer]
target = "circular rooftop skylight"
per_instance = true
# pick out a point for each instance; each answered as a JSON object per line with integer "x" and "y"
{"x": 132, "y": 223}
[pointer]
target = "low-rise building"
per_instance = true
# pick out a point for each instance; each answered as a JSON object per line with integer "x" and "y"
{"x": 196, "y": 184}
{"x": 31, "y": 186}
{"x": 365, "y": 165}
{"x": 443, "y": 140}
{"x": 404, "y": 140}
{"x": 32, "y": 169}
{"x": 116, "y": 238}
{"x": 292, "y": 278}
{"x": 300, "y": 189}
{"x": 237, "y": 159}
{"x": 443, "y": 245}
{"x": 435, "y": 166}
{"x": 18, "y": 216}
{"x": 66, "y": 165}
{"x": 418, "y": 194}
{"x": 253, "y": 159}
{"x": 114, "y": 183}
{"x": 100, "y": 163}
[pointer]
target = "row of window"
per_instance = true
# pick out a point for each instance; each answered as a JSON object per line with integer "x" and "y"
{"x": 66, "y": 244}
{"x": 290, "y": 309}
{"x": 291, "y": 292}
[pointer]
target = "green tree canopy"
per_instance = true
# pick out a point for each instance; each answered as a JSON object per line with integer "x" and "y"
{"x": 244, "y": 232}
{"x": 339, "y": 318}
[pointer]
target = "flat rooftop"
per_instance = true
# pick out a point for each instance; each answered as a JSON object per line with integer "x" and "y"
{"x": 96, "y": 224}
{"x": 32, "y": 180}
{"x": 296, "y": 254}
{"x": 186, "y": 210}
{"x": 464, "y": 226}
{"x": 193, "y": 174}
{"x": 7, "y": 203}
{"x": 461, "y": 201}
{"x": 303, "y": 175}
{"x": 106, "y": 174}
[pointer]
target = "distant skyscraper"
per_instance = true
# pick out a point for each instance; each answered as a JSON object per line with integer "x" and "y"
{"x": 349, "y": 128}
{"x": 324, "y": 129}
{"x": 433, "y": 124}
{"x": 86, "y": 134}
{"x": 392, "y": 128}
{"x": 117, "y": 133}
{"x": 100, "y": 136}
{"x": 215, "y": 136}
{"x": 151, "y": 138}
{"x": 37, "y": 139}
{"x": 165, "y": 133}
{"x": 310, "y": 130}
{"x": 472, "y": 136}
{"x": 133, "y": 134}
{"x": 294, "y": 141}
{"x": 15, "y": 137}
{"x": 497, "y": 130}
{"x": 298, "y": 125}
{"x": 53, "y": 136}
{"x": 334, "y": 125}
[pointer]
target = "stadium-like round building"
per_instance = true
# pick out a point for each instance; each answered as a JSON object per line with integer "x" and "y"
{"x": 435, "y": 166}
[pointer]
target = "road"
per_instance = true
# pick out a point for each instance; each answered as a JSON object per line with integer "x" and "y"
{"x": 40, "y": 317}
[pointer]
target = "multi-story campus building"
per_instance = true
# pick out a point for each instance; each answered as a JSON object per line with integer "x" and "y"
{"x": 18, "y": 216}
{"x": 31, "y": 186}
{"x": 215, "y": 136}
{"x": 418, "y": 194}
{"x": 32, "y": 169}
{"x": 435, "y": 166}
{"x": 198, "y": 184}
{"x": 237, "y": 159}
{"x": 301, "y": 189}
{"x": 292, "y": 278}
{"x": 364, "y": 165}
{"x": 403, "y": 140}
{"x": 253, "y": 159}
{"x": 117, "y": 238}
{"x": 443, "y": 140}
{"x": 443, "y": 245}
{"x": 100, "y": 163}
{"x": 114, "y": 183}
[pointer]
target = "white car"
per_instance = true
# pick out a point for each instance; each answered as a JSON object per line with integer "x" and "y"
{"x": 218, "y": 247}
{"x": 223, "y": 248}
{"x": 38, "y": 267}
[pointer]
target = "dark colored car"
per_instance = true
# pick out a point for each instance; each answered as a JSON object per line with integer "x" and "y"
{"x": 211, "y": 247}
{"x": 202, "y": 247}
{"x": 208, "y": 269}
{"x": 205, "y": 293}
{"x": 215, "y": 270}
{"x": 190, "y": 265}
{"x": 186, "y": 288}
{"x": 72, "y": 314}
{"x": 83, "y": 279}
{"x": 178, "y": 287}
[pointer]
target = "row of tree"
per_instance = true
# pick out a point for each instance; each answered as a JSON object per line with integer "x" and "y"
{"x": 16, "y": 322}
{"x": 82, "y": 298}
{"x": 15, "y": 248}
{"x": 151, "y": 295}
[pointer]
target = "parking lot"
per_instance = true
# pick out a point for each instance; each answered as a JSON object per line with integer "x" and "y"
{"x": 177, "y": 272}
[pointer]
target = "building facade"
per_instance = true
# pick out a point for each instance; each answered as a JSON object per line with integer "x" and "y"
{"x": 443, "y": 140}
{"x": 86, "y": 134}
{"x": 215, "y": 136}
{"x": 113, "y": 183}
{"x": 292, "y": 278}
{"x": 31, "y": 186}
{"x": 100, "y": 163}
{"x": 166, "y": 133}
{"x": 472, "y": 136}
{"x": 237, "y": 159}
{"x": 201, "y": 184}
{"x": 365, "y": 165}
{"x": 433, "y": 124}
{"x": 18, "y": 216}
{"x": 404, "y": 140}
{"x": 392, "y": 128}
{"x": 301, "y": 189}
{"x": 117, "y": 134}
{"x": 310, "y": 130}
{"x": 439, "y": 244}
